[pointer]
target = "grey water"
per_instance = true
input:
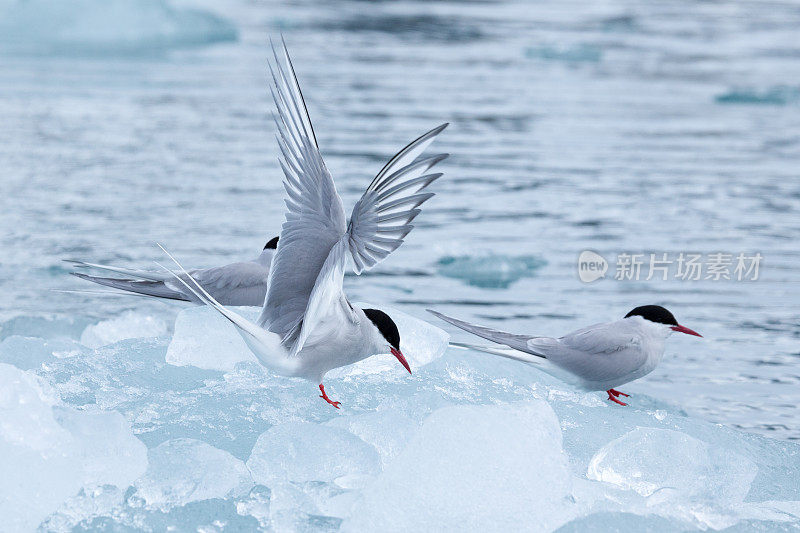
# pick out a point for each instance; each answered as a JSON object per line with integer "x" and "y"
{"x": 619, "y": 127}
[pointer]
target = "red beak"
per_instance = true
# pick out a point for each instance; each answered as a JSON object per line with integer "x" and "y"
{"x": 401, "y": 358}
{"x": 684, "y": 329}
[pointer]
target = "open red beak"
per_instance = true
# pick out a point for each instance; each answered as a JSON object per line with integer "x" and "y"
{"x": 684, "y": 329}
{"x": 402, "y": 359}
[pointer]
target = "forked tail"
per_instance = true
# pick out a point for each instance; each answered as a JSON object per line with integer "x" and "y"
{"x": 265, "y": 345}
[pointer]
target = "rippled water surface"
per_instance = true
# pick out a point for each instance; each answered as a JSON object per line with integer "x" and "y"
{"x": 625, "y": 126}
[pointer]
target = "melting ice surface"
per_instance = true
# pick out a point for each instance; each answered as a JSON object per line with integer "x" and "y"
{"x": 185, "y": 430}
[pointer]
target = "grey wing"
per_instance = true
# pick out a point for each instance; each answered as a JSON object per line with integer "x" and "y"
{"x": 380, "y": 220}
{"x": 327, "y": 303}
{"x": 518, "y": 342}
{"x": 604, "y": 338}
{"x": 314, "y": 219}
{"x": 242, "y": 283}
{"x": 382, "y": 217}
{"x": 598, "y": 353}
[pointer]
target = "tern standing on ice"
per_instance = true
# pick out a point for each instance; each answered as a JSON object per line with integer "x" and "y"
{"x": 307, "y": 325}
{"x": 243, "y": 283}
{"x": 597, "y": 358}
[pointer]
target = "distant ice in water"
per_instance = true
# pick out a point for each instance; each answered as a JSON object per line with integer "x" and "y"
{"x": 490, "y": 271}
{"x": 106, "y": 27}
{"x": 579, "y": 53}
{"x": 778, "y": 95}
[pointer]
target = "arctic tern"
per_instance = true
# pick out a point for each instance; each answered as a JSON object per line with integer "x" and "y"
{"x": 596, "y": 358}
{"x": 307, "y": 325}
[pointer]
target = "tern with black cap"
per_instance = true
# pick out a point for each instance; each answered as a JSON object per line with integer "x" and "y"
{"x": 596, "y": 358}
{"x": 307, "y": 325}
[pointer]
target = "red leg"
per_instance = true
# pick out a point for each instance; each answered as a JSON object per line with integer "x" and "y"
{"x": 325, "y": 397}
{"x": 618, "y": 393}
{"x": 613, "y": 397}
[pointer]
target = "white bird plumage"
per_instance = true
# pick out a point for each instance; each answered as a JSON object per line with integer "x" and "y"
{"x": 307, "y": 326}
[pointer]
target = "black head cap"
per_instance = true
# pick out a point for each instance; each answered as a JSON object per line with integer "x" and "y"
{"x": 654, "y": 313}
{"x": 385, "y": 325}
{"x": 272, "y": 244}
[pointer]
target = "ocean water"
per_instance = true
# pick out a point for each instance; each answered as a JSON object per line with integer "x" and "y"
{"x": 622, "y": 127}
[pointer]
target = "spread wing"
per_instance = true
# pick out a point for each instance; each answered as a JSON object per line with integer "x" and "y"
{"x": 305, "y": 284}
{"x": 314, "y": 218}
{"x": 382, "y": 217}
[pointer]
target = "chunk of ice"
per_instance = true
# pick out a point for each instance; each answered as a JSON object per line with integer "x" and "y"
{"x": 31, "y": 352}
{"x": 648, "y": 460}
{"x": 48, "y": 452}
{"x": 205, "y": 339}
{"x": 387, "y": 431}
{"x": 476, "y": 468}
{"x": 129, "y": 325}
{"x": 490, "y": 271}
{"x": 103, "y": 27}
{"x": 303, "y": 451}
{"x": 187, "y": 470}
{"x": 477, "y": 465}
{"x": 104, "y": 446}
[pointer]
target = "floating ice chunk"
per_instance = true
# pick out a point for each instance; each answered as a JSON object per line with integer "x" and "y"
{"x": 48, "y": 452}
{"x": 49, "y": 328}
{"x": 187, "y": 470}
{"x": 473, "y": 468}
{"x": 104, "y": 445}
{"x": 303, "y": 451}
{"x": 89, "y": 503}
{"x": 38, "y": 472}
{"x": 387, "y": 431}
{"x": 129, "y": 325}
{"x": 619, "y": 521}
{"x": 29, "y": 352}
{"x": 490, "y": 271}
{"x": 102, "y": 27}
{"x": 579, "y": 53}
{"x": 205, "y": 339}
{"x": 648, "y": 460}
{"x": 206, "y": 516}
{"x": 778, "y": 95}
{"x": 256, "y": 504}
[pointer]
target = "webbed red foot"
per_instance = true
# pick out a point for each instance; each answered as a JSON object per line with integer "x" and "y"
{"x": 614, "y": 394}
{"x": 325, "y": 397}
